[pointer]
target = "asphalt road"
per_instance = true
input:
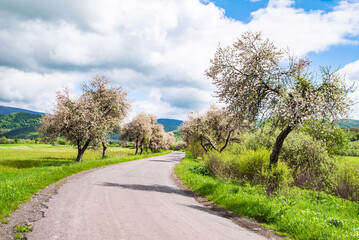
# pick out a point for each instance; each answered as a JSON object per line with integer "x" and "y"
{"x": 132, "y": 200}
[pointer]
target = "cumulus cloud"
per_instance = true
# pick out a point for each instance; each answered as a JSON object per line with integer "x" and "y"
{"x": 305, "y": 32}
{"x": 351, "y": 72}
{"x": 157, "y": 49}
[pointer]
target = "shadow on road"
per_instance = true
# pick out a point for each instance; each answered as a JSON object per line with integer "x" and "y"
{"x": 163, "y": 161}
{"x": 152, "y": 188}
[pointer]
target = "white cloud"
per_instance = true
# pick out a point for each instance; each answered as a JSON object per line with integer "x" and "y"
{"x": 305, "y": 32}
{"x": 158, "y": 47}
{"x": 33, "y": 90}
{"x": 351, "y": 72}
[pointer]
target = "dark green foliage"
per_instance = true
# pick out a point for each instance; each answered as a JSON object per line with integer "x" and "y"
{"x": 348, "y": 123}
{"x": 19, "y": 120}
{"x": 203, "y": 170}
{"x": 169, "y": 128}
{"x": 22, "y": 133}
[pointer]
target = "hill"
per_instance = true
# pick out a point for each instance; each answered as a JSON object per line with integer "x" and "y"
{"x": 169, "y": 125}
{"x": 19, "y": 120}
{"x": 19, "y": 125}
{"x": 348, "y": 123}
{"x": 7, "y": 110}
{"x": 22, "y": 133}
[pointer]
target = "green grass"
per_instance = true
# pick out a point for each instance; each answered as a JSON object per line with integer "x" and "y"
{"x": 27, "y": 168}
{"x": 349, "y": 159}
{"x": 300, "y": 214}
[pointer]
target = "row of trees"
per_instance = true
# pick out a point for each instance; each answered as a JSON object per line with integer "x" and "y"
{"x": 259, "y": 82}
{"x": 98, "y": 112}
{"x": 147, "y": 134}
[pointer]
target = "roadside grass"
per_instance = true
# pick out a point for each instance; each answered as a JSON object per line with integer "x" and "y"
{"x": 349, "y": 159}
{"x": 27, "y": 168}
{"x": 296, "y": 213}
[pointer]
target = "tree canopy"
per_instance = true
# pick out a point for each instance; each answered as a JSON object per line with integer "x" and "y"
{"x": 259, "y": 81}
{"x": 214, "y": 129}
{"x": 89, "y": 118}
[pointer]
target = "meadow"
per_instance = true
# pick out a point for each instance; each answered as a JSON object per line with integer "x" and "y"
{"x": 27, "y": 168}
{"x": 295, "y": 213}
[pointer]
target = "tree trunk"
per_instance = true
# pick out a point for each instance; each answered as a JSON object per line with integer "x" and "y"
{"x": 80, "y": 153}
{"x": 104, "y": 148}
{"x": 81, "y": 150}
{"x": 279, "y": 144}
{"x": 136, "y": 148}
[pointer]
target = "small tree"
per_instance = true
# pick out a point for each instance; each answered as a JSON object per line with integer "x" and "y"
{"x": 87, "y": 119}
{"x": 215, "y": 129}
{"x": 253, "y": 81}
{"x": 4, "y": 140}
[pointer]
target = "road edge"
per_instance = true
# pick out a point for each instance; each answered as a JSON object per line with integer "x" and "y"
{"x": 246, "y": 223}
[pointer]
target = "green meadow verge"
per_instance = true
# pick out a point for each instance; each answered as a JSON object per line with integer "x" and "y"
{"x": 296, "y": 213}
{"x": 25, "y": 169}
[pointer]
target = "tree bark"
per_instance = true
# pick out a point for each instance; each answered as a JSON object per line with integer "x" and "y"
{"x": 81, "y": 150}
{"x": 104, "y": 148}
{"x": 136, "y": 148}
{"x": 227, "y": 140}
{"x": 279, "y": 144}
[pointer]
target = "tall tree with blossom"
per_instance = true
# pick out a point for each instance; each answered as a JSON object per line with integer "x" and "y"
{"x": 258, "y": 81}
{"x": 112, "y": 106}
{"x": 87, "y": 119}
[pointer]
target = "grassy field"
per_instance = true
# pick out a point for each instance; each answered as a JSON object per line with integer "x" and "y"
{"x": 297, "y": 213}
{"x": 27, "y": 168}
{"x": 349, "y": 159}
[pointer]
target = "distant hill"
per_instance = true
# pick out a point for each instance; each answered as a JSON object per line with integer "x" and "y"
{"x": 19, "y": 125}
{"x": 7, "y": 110}
{"x": 22, "y": 133}
{"x": 19, "y": 120}
{"x": 169, "y": 125}
{"x": 348, "y": 123}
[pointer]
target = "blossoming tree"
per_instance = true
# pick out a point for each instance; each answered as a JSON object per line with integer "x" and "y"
{"x": 214, "y": 129}
{"x": 88, "y": 119}
{"x": 258, "y": 81}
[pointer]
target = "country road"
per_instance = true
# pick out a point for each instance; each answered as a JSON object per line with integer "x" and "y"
{"x": 132, "y": 200}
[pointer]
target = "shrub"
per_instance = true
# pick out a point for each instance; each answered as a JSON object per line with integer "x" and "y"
{"x": 4, "y": 140}
{"x": 195, "y": 148}
{"x": 308, "y": 158}
{"x": 249, "y": 165}
{"x": 311, "y": 164}
{"x": 347, "y": 181}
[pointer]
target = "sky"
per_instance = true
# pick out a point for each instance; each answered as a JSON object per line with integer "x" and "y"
{"x": 158, "y": 50}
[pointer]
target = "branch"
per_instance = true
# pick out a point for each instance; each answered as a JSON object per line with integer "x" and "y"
{"x": 209, "y": 141}
{"x": 227, "y": 140}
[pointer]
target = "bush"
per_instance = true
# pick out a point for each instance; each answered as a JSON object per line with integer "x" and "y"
{"x": 4, "y": 140}
{"x": 347, "y": 182}
{"x": 311, "y": 164}
{"x": 249, "y": 165}
{"x": 195, "y": 148}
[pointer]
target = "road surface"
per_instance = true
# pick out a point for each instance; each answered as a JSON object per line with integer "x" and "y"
{"x": 132, "y": 200}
